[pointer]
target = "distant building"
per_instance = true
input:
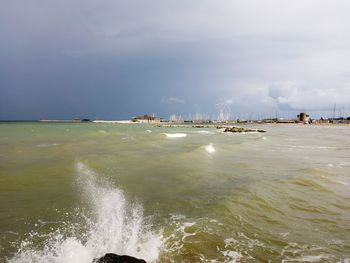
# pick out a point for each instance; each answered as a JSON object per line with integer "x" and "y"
{"x": 146, "y": 119}
{"x": 303, "y": 117}
{"x": 341, "y": 120}
{"x": 322, "y": 121}
{"x": 285, "y": 121}
{"x": 265, "y": 121}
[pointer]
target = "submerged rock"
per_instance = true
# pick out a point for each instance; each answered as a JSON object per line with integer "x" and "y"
{"x": 114, "y": 258}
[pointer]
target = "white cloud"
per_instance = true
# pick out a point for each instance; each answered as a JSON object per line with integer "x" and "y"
{"x": 312, "y": 98}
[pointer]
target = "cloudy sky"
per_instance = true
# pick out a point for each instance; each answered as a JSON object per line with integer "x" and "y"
{"x": 114, "y": 59}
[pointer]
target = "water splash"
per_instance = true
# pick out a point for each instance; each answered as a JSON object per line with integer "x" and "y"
{"x": 113, "y": 225}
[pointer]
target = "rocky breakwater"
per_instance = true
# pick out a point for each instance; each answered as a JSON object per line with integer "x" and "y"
{"x": 225, "y": 128}
{"x": 114, "y": 258}
{"x": 235, "y": 129}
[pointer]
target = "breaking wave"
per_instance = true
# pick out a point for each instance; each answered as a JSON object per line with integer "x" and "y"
{"x": 210, "y": 148}
{"x": 175, "y": 135}
{"x": 114, "y": 225}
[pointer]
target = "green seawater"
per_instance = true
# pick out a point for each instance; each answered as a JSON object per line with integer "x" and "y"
{"x": 70, "y": 192}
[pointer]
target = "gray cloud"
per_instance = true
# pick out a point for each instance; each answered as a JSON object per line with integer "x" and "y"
{"x": 114, "y": 59}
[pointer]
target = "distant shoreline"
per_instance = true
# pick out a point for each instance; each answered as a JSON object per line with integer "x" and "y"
{"x": 176, "y": 124}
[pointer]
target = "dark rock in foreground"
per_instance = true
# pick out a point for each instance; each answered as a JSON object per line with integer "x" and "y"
{"x": 240, "y": 129}
{"x": 114, "y": 258}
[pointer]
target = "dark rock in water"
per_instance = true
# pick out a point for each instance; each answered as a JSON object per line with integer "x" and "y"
{"x": 114, "y": 258}
{"x": 240, "y": 129}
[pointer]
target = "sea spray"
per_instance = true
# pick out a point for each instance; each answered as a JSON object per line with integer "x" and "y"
{"x": 113, "y": 225}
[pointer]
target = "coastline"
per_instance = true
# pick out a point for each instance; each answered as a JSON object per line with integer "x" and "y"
{"x": 178, "y": 124}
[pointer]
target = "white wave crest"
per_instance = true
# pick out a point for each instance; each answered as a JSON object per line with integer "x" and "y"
{"x": 210, "y": 148}
{"x": 205, "y": 132}
{"x": 115, "y": 226}
{"x": 175, "y": 135}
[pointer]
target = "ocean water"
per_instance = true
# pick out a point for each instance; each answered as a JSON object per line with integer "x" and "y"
{"x": 72, "y": 192}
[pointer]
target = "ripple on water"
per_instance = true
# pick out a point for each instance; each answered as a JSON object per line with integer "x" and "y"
{"x": 309, "y": 184}
{"x": 46, "y": 145}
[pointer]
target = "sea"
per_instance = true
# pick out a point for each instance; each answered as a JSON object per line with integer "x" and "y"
{"x": 71, "y": 192}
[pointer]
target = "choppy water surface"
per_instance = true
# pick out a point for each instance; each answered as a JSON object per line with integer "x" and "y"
{"x": 72, "y": 192}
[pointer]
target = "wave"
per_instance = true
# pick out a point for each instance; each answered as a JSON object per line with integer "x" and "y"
{"x": 114, "y": 225}
{"x": 209, "y": 148}
{"x": 175, "y": 135}
{"x": 205, "y": 132}
{"x": 46, "y": 145}
{"x": 187, "y": 232}
{"x": 310, "y": 147}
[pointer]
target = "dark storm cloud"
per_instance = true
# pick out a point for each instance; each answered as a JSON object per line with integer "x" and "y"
{"x": 115, "y": 59}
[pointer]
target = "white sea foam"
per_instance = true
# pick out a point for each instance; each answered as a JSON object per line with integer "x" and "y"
{"x": 115, "y": 226}
{"x": 311, "y": 147}
{"x": 175, "y": 135}
{"x": 177, "y": 217}
{"x": 305, "y": 259}
{"x": 184, "y": 234}
{"x": 284, "y": 234}
{"x": 230, "y": 241}
{"x": 231, "y": 256}
{"x": 205, "y": 132}
{"x": 149, "y": 131}
{"x": 210, "y": 148}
